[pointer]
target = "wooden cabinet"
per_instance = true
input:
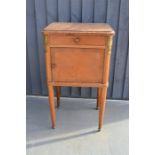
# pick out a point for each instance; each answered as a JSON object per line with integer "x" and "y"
{"x": 78, "y": 54}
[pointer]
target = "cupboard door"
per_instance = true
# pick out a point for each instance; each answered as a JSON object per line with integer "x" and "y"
{"x": 77, "y": 65}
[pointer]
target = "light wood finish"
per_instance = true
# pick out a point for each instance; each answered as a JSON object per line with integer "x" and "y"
{"x": 78, "y": 54}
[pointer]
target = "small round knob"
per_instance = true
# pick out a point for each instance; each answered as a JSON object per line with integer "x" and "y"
{"x": 76, "y": 39}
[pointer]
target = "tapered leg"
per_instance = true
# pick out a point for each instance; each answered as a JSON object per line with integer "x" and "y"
{"x": 98, "y": 98}
{"x": 52, "y": 106}
{"x": 58, "y": 93}
{"x": 102, "y": 106}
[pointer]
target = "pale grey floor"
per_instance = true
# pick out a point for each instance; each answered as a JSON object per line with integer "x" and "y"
{"x": 76, "y": 128}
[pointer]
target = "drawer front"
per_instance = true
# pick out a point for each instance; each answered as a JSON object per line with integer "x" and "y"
{"x": 76, "y": 39}
{"x": 77, "y": 65}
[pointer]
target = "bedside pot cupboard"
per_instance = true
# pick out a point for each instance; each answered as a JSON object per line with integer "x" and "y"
{"x": 78, "y": 55}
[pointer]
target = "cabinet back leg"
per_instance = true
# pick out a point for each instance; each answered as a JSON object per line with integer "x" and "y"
{"x": 98, "y": 98}
{"x": 58, "y": 93}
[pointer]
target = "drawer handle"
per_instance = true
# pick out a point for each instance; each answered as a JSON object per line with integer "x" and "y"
{"x": 76, "y": 39}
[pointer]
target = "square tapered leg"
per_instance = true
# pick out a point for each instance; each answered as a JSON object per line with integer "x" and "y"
{"x": 52, "y": 106}
{"x": 102, "y": 106}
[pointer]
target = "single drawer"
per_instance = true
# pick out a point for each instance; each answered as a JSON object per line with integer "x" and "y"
{"x": 77, "y": 39}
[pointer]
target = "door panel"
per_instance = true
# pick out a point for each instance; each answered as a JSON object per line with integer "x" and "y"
{"x": 77, "y": 65}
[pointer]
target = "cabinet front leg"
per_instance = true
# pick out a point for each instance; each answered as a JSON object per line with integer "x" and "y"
{"x": 58, "y": 93}
{"x": 52, "y": 106}
{"x": 102, "y": 106}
